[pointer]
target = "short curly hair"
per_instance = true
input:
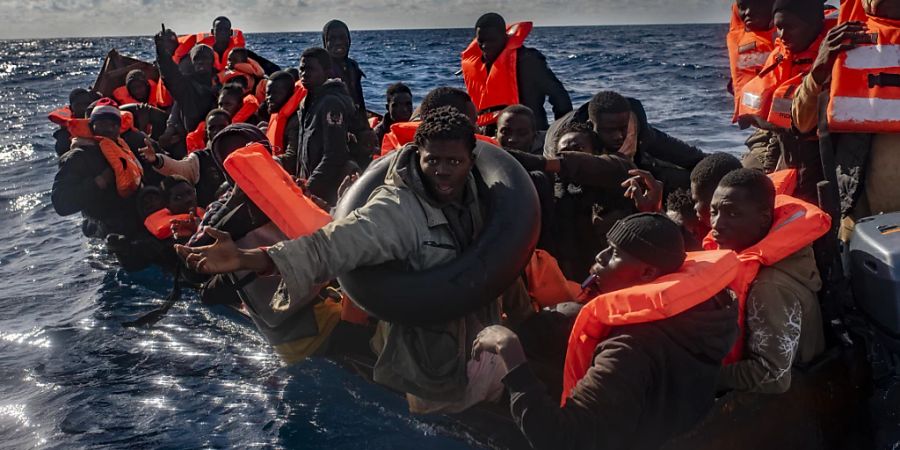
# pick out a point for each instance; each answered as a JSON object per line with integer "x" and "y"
{"x": 445, "y": 124}
{"x": 680, "y": 201}
{"x": 710, "y": 170}
{"x": 445, "y": 96}
{"x": 581, "y": 128}
{"x": 758, "y": 185}
{"x": 607, "y": 102}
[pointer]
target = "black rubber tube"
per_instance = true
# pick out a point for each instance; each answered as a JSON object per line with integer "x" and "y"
{"x": 477, "y": 276}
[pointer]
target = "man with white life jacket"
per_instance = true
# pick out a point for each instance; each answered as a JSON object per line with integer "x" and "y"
{"x": 622, "y": 126}
{"x": 79, "y": 99}
{"x": 642, "y": 359}
{"x": 766, "y": 100}
{"x": 861, "y": 118}
{"x": 500, "y": 71}
{"x": 194, "y": 94}
{"x": 399, "y": 108}
{"x": 322, "y": 156}
{"x": 779, "y": 315}
{"x": 198, "y": 167}
{"x": 427, "y": 213}
{"x": 99, "y": 177}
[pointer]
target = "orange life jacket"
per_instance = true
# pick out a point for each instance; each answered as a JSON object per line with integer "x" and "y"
{"x": 374, "y": 121}
{"x": 60, "y": 116}
{"x": 785, "y": 181}
{"x": 545, "y": 282}
{"x": 271, "y": 189}
{"x": 124, "y": 164}
{"x": 159, "y": 224}
{"x": 795, "y": 225}
{"x": 767, "y": 98}
{"x": 81, "y": 128}
{"x": 403, "y": 133}
{"x": 747, "y": 52}
{"x": 196, "y": 140}
{"x": 278, "y": 121}
{"x": 702, "y": 276}
{"x": 123, "y": 97}
{"x": 865, "y": 81}
{"x": 250, "y": 70}
{"x": 186, "y": 43}
{"x": 493, "y": 90}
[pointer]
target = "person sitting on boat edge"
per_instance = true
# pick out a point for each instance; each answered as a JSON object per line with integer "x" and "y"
{"x": 779, "y": 314}
{"x": 517, "y": 130}
{"x": 429, "y": 210}
{"x": 622, "y": 125}
{"x": 642, "y": 383}
{"x": 399, "y": 108}
{"x": 323, "y": 156}
{"x": 488, "y": 73}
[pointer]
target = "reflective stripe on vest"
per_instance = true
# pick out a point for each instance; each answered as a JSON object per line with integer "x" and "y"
{"x": 493, "y": 90}
{"x": 271, "y": 189}
{"x": 795, "y": 225}
{"x": 702, "y": 276}
{"x": 747, "y": 53}
{"x": 865, "y": 81}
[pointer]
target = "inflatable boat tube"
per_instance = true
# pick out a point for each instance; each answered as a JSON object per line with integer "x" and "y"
{"x": 477, "y": 276}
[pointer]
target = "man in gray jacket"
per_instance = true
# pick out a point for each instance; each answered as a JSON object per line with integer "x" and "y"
{"x": 427, "y": 212}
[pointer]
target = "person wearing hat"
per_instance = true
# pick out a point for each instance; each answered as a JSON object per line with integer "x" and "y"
{"x": 137, "y": 89}
{"x": 87, "y": 183}
{"x": 646, "y": 382}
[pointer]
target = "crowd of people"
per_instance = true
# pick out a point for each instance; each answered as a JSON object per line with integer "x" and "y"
{"x": 699, "y": 275}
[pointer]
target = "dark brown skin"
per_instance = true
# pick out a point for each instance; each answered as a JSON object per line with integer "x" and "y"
{"x": 337, "y": 42}
{"x": 139, "y": 89}
{"x": 80, "y": 105}
{"x": 798, "y": 34}
{"x": 515, "y": 131}
{"x": 738, "y": 222}
{"x": 840, "y": 39}
{"x": 400, "y": 107}
{"x": 576, "y": 142}
{"x": 445, "y": 166}
{"x": 701, "y": 206}
{"x": 182, "y": 198}
{"x": 277, "y": 94}
{"x": 106, "y": 128}
{"x": 221, "y": 29}
{"x": 214, "y": 125}
{"x": 492, "y": 41}
{"x": 232, "y": 103}
{"x": 312, "y": 74}
{"x": 756, "y": 14}
{"x": 612, "y": 129}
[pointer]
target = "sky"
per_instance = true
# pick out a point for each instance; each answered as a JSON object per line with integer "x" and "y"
{"x": 72, "y": 18}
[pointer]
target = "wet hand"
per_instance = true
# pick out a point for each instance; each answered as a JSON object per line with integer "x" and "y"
{"x": 223, "y": 256}
{"x": 840, "y": 39}
{"x": 644, "y": 190}
{"x": 500, "y": 341}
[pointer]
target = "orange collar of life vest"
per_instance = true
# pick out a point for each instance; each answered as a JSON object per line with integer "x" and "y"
{"x": 125, "y": 165}
{"x": 278, "y": 121}
{"x": 702, "y": 276}
{"x": 795, "y": 225}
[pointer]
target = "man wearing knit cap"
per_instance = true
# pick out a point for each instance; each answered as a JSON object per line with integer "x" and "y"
{"x": 86, "y": 182}
{"x": 647, "y": 382}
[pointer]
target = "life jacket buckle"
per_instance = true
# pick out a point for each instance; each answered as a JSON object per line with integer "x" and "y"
{"x": 884, "y": 79}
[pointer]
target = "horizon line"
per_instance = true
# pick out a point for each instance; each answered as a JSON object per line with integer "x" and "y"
{"x": 367, "y": 29}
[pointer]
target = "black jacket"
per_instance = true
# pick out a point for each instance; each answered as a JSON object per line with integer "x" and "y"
{"x": 350, "y": 73}
{"x": 324, "y": 156}
{"x": 195, "y": 94}
{"x": 649, "y": 383}
{"x": 536, "y": 82}
{"x": 669, "y": 159}
{"x": 74, "y": 190}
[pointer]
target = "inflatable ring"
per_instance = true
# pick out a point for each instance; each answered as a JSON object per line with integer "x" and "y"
{"x": 479, "y": 275}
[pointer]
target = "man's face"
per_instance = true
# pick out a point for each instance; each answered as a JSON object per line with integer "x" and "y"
{"x": 400, "y": 107}
{"x": 615, "y": 269}
{"x": 312, "y": 75}
{"x": 182, "y": 198}
{"x": 756, "y": 14}
{"x": 738, "y": 222}
{"x": 612, "y": 129}
{"x": 233, "y": 104}
{"x": 701, "y": 205}
{"x": 214, "y": 125}
{"x": 445, "y": 166}
{"x": 277, "y": 94}
{"x": 80, "y": 105}
{"x": 515, "y": 131}
{"x": 576, "y": 142}
{"x": 202, "y": 62}
{"x": 797, "y": 34}
{"x": 337, "y": 42}
{"x": 139, "y": 90}
{"x": 221, "y": 30}
{"x": 492, "y": 41}
{"x": 108, "y": 128}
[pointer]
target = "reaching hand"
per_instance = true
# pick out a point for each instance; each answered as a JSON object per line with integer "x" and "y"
{"x": 840, "y": 39}
{"x": 500, "y": 341}
{"x": 223, "y": 256}
{"x": 644, "y": 190}
{"x": 348, "y": 181}
{"x": 184, "y": 229}
{"x": 148, "y": 151}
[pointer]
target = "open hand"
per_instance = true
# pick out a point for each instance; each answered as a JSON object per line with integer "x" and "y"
{"x": 148, "y": 152}
{"x": 840, "y": 39}
{"x": 500, "y": 341}
{"x": 223, "y": 256}
{"x": 348, "y": 181}
{"x": 644, "y": 190}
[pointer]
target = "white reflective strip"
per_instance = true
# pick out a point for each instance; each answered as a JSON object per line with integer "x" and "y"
{"x": 782, "y": 105}
{"x": 751, "y": 100}
{"x": 873, "y": 57}
{"x": 862, "y": 109}
{"x": 748, "y": 60}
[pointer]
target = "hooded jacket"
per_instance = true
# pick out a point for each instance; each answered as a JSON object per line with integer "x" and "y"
{"x": 649, "y": 383}
{"x": 784, "y": 325}
{"x": 669, "y": 159}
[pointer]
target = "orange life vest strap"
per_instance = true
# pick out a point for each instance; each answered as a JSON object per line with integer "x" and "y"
{"x": 124, "y": 164}
{"x": 60, "y": 116}
{"x": 702, "y": 276}
{"x": 546, "y": 284}
{"x": 271, "y": 189}
{"x": 278, "y": 121}
{"x": 785, "y": 181}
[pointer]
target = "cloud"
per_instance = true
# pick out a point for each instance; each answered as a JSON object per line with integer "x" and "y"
{"x": 53, "y": 18}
